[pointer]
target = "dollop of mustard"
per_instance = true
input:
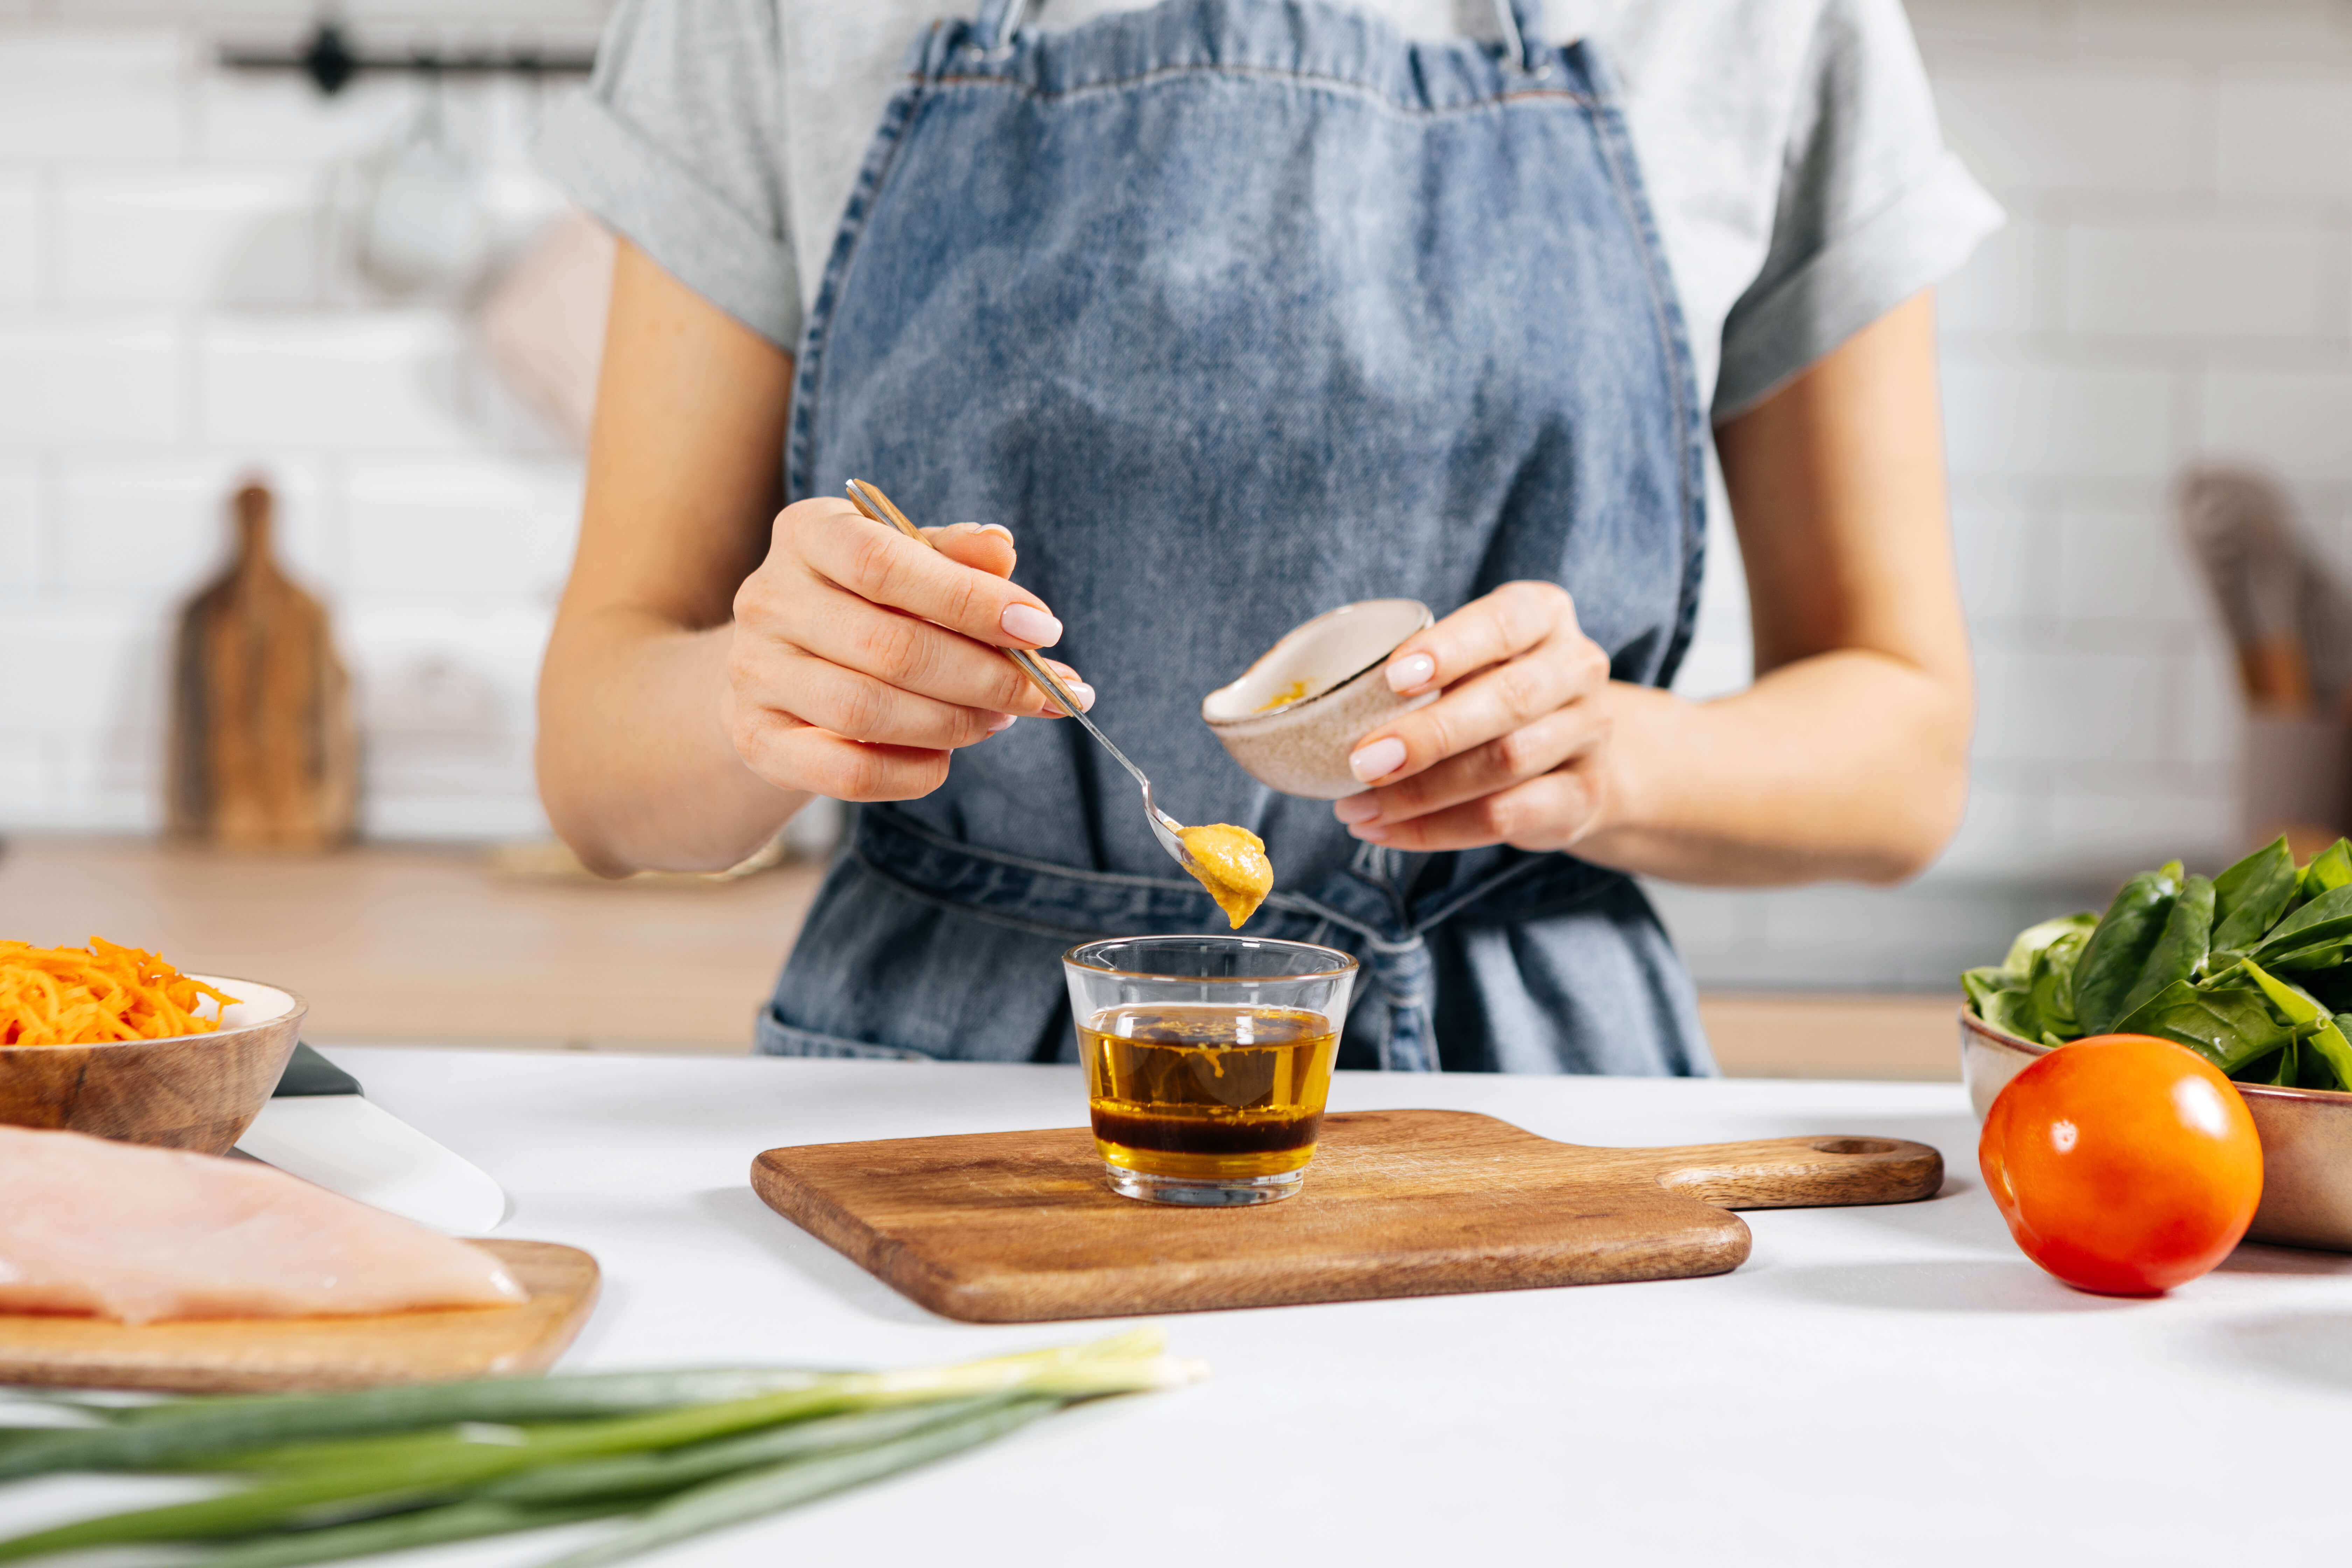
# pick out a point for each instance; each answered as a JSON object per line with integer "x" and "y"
{"x": 1230, "y": 863}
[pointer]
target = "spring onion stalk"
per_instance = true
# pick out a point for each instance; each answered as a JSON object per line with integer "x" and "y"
{"x": 400, "y": 1533}
{"x": 742, "y": 1498}
{"x": 636, "y": 1475}
{"x": 155, "y": 1436}
{"x": 447, "y": 1467}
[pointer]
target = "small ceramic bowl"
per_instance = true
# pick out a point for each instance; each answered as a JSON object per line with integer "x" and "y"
{"x": 190, "y": 1091}
{"x": 1294, "y": 716}
{"x": 2307, "y": 1137}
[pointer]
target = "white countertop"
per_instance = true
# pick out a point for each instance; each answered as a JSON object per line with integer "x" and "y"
{"x": 1894, "y": 1385}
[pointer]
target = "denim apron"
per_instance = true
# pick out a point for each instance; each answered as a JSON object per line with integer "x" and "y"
{"x": 1235, "y": 311}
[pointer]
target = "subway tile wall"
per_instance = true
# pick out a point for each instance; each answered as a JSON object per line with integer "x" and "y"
{"x": 176, "y": 310}
{"x": 2174, "y": 287}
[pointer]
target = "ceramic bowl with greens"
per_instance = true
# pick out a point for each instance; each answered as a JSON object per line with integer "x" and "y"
{"x": 2247, "y": 969}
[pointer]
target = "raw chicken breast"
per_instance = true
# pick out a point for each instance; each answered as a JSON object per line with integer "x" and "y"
{"x": 121, "y": 1231}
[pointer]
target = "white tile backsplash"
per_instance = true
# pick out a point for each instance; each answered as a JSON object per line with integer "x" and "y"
{"x": 70, "y": 380}
{"x": 2040, "y": 416}
{"x": 20, "y": 525}
{"x": 2284, "y": 134}
{"x": 2221, "y": 280}
{"x": 155, "y": 529}
{"x": 2295, "y": 421}
{"x": 511, "y": 524}
{"x": 93, "y": 95}
{"x": 236, "y": 237}
{"x": 21, "y": 237}
{"x": 2039, "y": 129}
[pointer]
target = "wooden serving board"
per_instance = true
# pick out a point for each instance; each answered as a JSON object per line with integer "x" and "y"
{"x": 226, "y": 1355}
{"x": 1016, "y": 1228}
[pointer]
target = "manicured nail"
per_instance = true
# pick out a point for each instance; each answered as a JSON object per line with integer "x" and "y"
{"x": 997, "y": 528}
{"x": 1371, "y": 830}
{"x": 1002, "y": 722}
{"x": 1030, "y": 625}
{"x": 1084, "y": 693}
{"x": 1411, "y": 672}
{"x": 1378, "y": 759}
{"x": 1357, "y": 807}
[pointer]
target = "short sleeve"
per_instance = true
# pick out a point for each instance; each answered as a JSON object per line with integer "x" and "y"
{"x": 1873, "y": 206}
{"x": 677, "y": 146}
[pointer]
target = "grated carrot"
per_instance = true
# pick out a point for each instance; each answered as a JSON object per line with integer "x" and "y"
{"x": 78, "y": 996}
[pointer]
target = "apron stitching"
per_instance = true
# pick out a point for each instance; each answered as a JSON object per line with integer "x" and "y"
{"x": 937, "y": 901}
{"x": 899, "y": 116}
{"x": 1666, "y": 316}
{"x": 1338, "y": 85}
{"x": 897, "y": 823}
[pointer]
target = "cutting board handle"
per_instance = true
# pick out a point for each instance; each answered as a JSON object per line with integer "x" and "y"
{"x": 1802, "y": 1173}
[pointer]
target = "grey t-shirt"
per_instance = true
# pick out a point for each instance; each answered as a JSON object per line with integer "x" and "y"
{"x": 1799, "y": 181}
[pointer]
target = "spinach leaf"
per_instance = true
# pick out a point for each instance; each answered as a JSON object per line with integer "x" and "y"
{"x": 2012, "y": 1012}
{"x": 2319, "y": 956}
{"x": 2329, "y": 869}
{"x": 2049, "y": 983}
{"x": 1980, "y": 986}
{"x": 2180, "y": 952}
{"x": 2120, "y": 947}
{"x": 2249, "y": 897}
{"x": 2033, "y": 939}
{"x": 2230, "y": 1026}
{"x": 2326, "y": 918}
{"x": 2328, "y": 1044}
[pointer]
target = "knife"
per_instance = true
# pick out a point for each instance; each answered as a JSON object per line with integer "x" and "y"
{"x": 320, "y": 1126}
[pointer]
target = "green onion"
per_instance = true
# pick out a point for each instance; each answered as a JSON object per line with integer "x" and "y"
{"x": 749, "y": 1496}
{"x": 425, "y": 1527}
{"x": 827, "y": 1419}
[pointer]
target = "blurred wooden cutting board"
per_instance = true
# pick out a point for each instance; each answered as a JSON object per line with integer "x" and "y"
{"x": 262, "y": 748}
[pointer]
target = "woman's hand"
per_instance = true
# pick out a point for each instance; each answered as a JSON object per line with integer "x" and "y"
{"x": 1512, "y": 754}
{"x": 860, "y": 660}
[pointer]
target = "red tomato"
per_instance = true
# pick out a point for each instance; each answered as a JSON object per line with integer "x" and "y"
{"x": 2124, "y": 1164}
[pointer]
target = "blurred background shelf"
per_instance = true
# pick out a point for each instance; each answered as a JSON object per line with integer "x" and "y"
{"x": 422, "y": 944}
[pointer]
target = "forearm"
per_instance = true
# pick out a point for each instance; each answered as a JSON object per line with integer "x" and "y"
{"x": 1850, "y": 764}
{"x": 636, "y": 765}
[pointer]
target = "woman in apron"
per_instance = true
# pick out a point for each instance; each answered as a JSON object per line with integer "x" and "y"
{"x": 1221, "y": 313}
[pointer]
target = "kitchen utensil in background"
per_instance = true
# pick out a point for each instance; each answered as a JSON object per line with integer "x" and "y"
{"x": 1017, "y": 1228}
{"x": 421, "y": 228}
{"x": 321, "y": 1127}
{"x": 2292, "y": 628}
{"x": 1164, "y": 827}
{"x": 263, "y": 750}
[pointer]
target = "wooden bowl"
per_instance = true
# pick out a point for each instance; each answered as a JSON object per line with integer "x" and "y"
{"x": 2306, "y": 1140}
{"x": 191, "y": 1091}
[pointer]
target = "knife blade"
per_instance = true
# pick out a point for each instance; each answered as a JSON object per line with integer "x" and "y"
{"x": 321, "y": 1127}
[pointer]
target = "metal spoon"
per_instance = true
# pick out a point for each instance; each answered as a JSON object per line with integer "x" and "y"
{"x": 1164, "y": 827}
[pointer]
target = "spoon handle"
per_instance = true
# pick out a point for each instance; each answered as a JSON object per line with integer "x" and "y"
{"x": 880, "y": 508}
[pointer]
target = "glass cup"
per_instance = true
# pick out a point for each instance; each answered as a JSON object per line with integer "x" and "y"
{"x": 1208, "y": 1061}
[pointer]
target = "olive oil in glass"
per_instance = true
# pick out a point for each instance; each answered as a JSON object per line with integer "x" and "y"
{"x": 1207, "y": 1092}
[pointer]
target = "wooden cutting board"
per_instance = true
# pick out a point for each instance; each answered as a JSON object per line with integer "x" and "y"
{"x": 262, "y": 748}
{"x": 275, "y": 1354}
{"x": 1016, "y": 1228}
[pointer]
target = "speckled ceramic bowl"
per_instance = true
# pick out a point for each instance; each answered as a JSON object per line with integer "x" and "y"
{"x": 1300, "y": 746}
{"x": 2307, "y": 1137}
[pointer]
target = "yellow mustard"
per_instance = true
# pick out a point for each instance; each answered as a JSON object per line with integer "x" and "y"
{"x": 1230, "y": 863}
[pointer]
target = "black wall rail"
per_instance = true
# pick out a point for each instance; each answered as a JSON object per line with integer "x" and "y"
{"x": 331, "y": 62}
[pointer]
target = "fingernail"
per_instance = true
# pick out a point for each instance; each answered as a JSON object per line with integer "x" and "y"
{"x": 996, "y": 528}
{"x": 1002, "y": 722}
{"x": 1372, "y": 831}
{"x": 1030, "y": 625}
{"x": 1357, "y": 807}
{"x": 1378, "y": 759}
{"x": 1413, "y": 671}
{"x": 1084, "y": 693}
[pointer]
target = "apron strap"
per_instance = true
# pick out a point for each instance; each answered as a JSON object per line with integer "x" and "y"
{"x": 997, "y": 22}
{"x": 1521, "y": 21}
{"x": 1523, "y": 39}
